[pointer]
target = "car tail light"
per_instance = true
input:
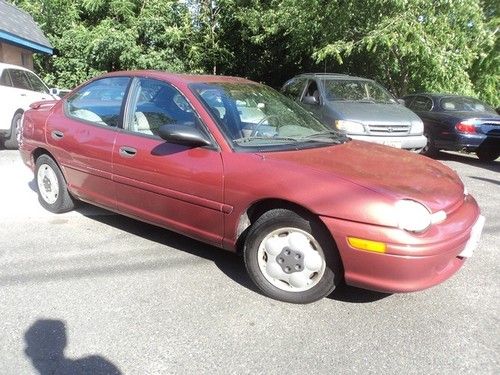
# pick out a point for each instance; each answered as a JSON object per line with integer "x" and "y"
{"x": 466, "y": 127}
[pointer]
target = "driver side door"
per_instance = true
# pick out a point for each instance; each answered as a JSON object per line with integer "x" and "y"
{"x": 173, "y": 186}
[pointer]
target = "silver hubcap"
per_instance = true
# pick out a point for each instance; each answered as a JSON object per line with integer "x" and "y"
{"x": 291, "y": 259}
{"x": 18, "y": 130}
{"x": 48, "y": 186}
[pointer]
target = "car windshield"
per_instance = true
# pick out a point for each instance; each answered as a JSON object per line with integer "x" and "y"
{"x": 463, "y": 103}
{"x": 256, "y": 116}
{"x": 356, "y": 90}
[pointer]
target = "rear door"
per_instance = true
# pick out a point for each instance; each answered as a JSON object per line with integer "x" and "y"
{"x": 171, "y": 185}
{"x": 83, "y": 134}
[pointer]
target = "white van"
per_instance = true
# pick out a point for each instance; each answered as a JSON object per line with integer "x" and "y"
{"x": 19, "y": 87}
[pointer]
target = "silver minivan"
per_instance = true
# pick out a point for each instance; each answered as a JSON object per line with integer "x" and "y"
{"x": 359, "y": 107}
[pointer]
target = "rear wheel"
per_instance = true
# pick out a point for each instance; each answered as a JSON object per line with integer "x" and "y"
{"x": 487, "y": 154}
{"x": 12, "y": 143}
{"x": 291, "y": 258}
{"x": 53, "y": 193}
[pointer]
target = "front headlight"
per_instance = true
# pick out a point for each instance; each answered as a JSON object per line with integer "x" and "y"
{"x": 412, "y": 216}
{"x": 417, "y": 127}
{"x": 350, "y": 127}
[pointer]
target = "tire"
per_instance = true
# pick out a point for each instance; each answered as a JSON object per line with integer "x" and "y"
{"x": 12, "y": 143}
{"x": 487, "y": 154}
{"x": 291, "y": 257}
{"x": 52, "y": 190}
{"x": 429, "y": 149}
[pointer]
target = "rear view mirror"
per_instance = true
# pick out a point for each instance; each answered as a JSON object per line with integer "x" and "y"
{"x": 186, "y": 134}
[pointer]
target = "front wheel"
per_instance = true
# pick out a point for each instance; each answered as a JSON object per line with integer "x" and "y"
{"x": 429, "y": 149}
{"x": 291, "y": 258}
{"x": 12, "y": 143}
{"x": 53, "y": 192}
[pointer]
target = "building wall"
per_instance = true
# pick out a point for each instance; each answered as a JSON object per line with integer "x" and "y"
{"x": 15, "y": 55}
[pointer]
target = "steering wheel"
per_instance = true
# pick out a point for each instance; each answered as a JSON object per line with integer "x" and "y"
{"x": 261, "y": 122}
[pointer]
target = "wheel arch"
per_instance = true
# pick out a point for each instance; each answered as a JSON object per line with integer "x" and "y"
{"x": 39, "y": 151}
{"x": 248, "y": 217}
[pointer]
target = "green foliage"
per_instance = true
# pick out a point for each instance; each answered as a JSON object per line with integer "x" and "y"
{"x": 407, "y": 45}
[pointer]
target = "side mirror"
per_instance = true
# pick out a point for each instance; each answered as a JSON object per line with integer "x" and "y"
{"x": 185, "y": 134}
{"x": 401, "y": 101}
{"x": 311, "y": 100}
{"x": 55, "y": 91}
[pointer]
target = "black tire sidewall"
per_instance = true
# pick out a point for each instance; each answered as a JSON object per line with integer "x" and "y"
{"x": 284, "y": 218}
{"x": 63, "y": 202}
{"x": 487, "y": 155}
{"x": 11, "y": 143}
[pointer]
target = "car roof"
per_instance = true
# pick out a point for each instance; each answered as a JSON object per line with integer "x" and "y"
{"x": 11, "y": 66}
{"x": 179, "y": 77}
{"x": 331, "y": 76}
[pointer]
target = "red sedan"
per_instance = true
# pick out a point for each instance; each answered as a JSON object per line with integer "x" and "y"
{"x": 235, "y": 164}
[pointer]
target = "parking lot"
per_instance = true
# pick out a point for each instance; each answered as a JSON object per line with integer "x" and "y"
{"x": 135, "y": 299}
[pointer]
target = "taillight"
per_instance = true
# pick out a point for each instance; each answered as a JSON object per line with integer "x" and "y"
{"x": 466, "y": 127}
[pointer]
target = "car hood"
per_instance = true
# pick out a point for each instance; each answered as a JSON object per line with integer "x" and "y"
{"x": 397, "y": 174}
{"x": 374, "y": 113}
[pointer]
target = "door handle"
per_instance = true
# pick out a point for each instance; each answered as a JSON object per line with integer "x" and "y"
{"x": 127, "y": 152}
{"x": 57, "y": 135}
{"x": 23, "y": 94}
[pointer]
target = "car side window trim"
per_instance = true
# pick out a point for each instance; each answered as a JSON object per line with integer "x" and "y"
{"x": 65, "y": 103}
{"x": 130, "y": 103}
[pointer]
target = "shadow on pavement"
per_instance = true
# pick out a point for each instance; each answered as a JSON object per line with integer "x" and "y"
{"x": 351, "y": 294}
{"x": 495, "y": 182}
{"x": 469, "y": 159}
{"x": 46, "y": 340}
{"x": 229, "y": 263}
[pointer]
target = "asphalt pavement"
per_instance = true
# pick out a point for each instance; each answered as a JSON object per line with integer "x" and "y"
{"x": 113, "y": 295}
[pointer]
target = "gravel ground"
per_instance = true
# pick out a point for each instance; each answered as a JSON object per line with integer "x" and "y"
{"x": 119, "y": 296}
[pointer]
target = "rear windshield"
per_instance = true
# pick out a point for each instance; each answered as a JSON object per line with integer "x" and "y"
{"x": 462, "y": 103}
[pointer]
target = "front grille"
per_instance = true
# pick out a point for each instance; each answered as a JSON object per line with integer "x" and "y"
{"x": 389, "y": 129}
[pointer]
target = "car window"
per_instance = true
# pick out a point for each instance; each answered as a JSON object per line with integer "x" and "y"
{"x": 356, "y": 90}
{"x": 155, "y": 103}
{"x": 99, "y": 102}
{"x": 421, "y": 103}
{"x": 5, "y": 78}
{"x": 36, "y": 83}
{"x": 255, "y": 116}
{"x": 293, "y": 89}
{"x": 19, "y": 79}
{"x": 463, "y": 103}
{"x": 312, "y": 90}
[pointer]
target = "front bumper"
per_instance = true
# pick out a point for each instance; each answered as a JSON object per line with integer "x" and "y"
{"x": 411, "y": 262}
{"x": 410, "y": 142}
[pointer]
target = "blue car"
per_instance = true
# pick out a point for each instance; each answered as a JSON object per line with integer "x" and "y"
{"x": 457, "y": 123}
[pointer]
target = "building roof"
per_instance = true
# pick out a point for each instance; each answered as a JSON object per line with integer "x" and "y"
{"x": 18, "y": 27}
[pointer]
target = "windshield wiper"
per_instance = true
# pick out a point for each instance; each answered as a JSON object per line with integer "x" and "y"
{"x": 251, "y": 138}
{"x": 331, "y": 135}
